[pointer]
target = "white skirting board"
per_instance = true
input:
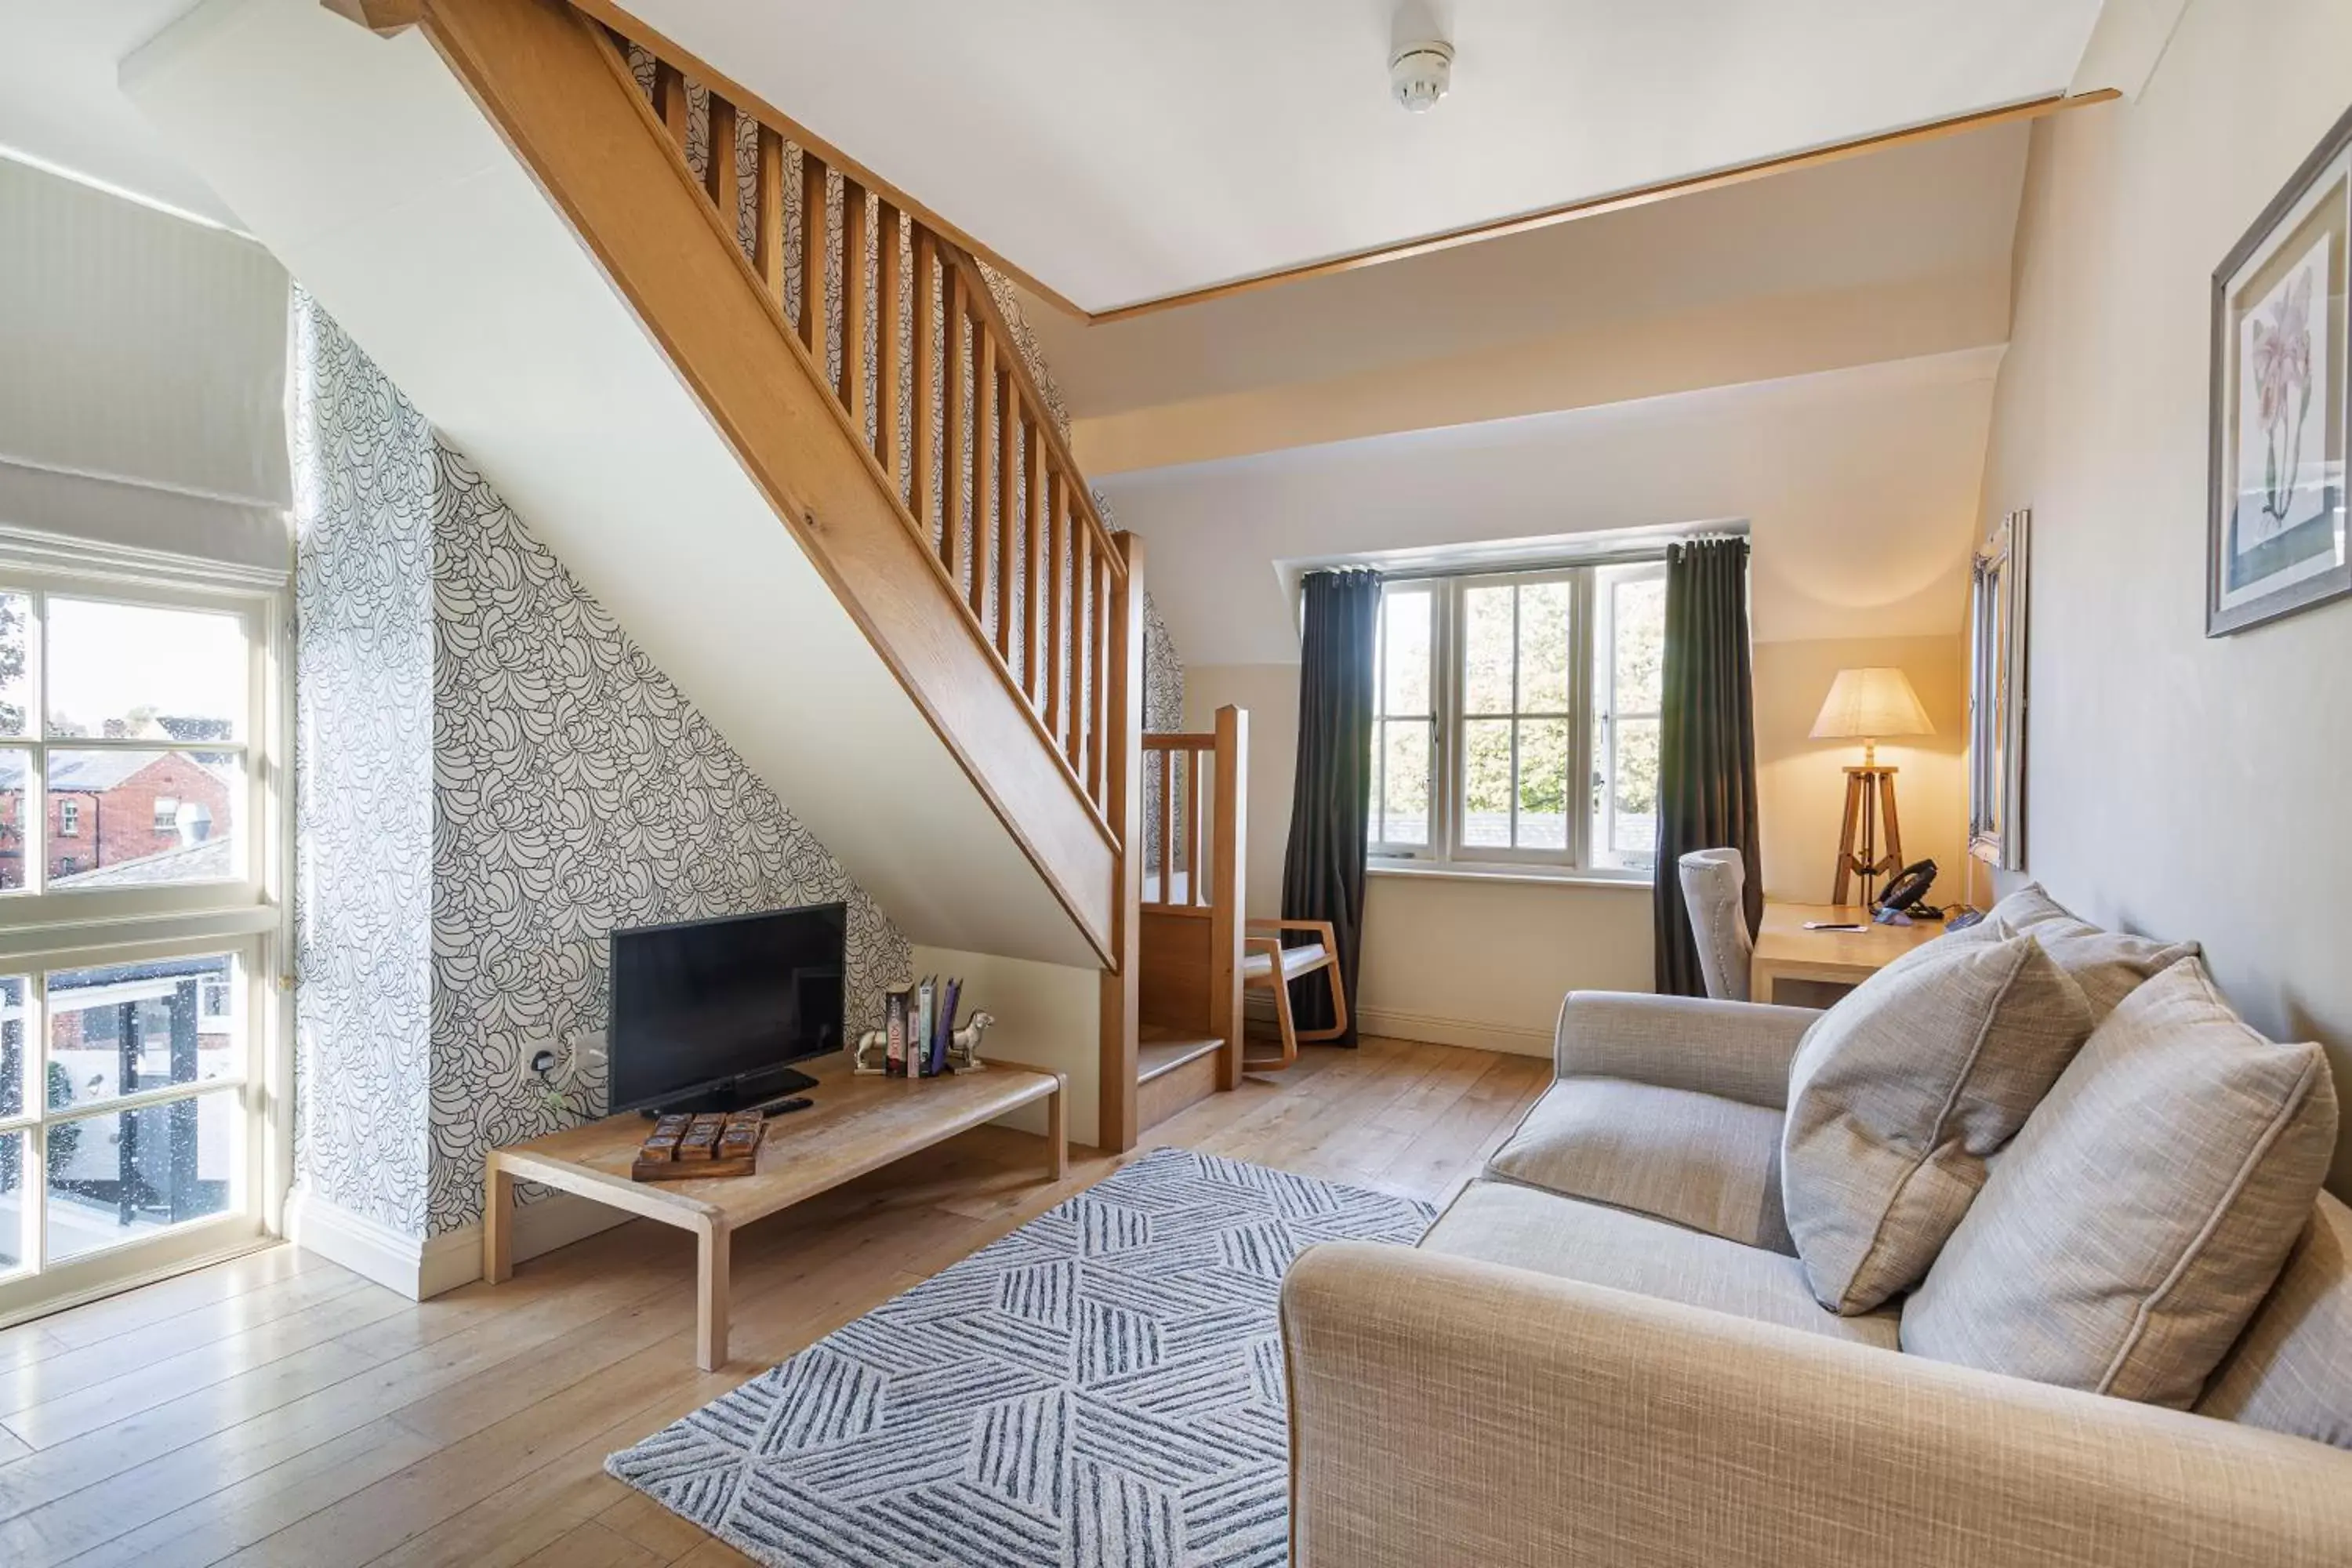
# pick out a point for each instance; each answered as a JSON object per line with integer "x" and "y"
{"x": 421, "y": 1269}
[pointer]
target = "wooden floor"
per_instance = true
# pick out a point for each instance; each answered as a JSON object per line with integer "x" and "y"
{"x": 278, "y": 1409}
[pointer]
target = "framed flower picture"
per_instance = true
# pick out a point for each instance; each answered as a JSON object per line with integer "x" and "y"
{"x": 2281, "y": 399}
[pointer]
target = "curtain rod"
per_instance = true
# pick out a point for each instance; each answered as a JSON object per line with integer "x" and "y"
{"x": 1622, "y": 555}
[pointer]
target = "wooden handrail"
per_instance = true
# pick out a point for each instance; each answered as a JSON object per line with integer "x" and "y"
{"x": 1188, "y": 741}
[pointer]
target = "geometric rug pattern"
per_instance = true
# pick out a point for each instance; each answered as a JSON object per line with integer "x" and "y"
{"x": 1102, "y": 1388}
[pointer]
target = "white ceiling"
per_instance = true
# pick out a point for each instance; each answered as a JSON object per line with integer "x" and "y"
{"x": 61, "y": 106}
{"x": 1123, "y": 152}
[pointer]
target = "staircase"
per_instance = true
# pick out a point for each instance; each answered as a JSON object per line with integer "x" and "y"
{"x": 766, "y": 407}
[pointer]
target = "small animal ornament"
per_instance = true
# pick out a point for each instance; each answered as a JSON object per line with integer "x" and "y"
{"x": 964, "y": 1046}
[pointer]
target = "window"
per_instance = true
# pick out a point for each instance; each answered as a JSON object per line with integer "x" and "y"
{"x": 136, "y": 1071}
{"x": 1516, "y": 720}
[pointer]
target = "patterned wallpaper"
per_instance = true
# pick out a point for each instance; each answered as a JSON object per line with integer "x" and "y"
{"x": 363, "y": 480}
{"x": 568, "y": 788}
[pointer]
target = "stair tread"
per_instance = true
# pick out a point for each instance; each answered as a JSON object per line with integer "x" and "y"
{"x": 1163, "y": 1050}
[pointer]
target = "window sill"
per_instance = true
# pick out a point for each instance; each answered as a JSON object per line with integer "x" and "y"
{"x": 1524, "y": 875}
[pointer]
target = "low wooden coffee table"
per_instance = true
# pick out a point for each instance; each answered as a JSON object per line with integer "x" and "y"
{"x": 857, "y": 1124}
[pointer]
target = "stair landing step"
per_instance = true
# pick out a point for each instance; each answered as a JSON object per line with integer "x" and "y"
{"x": 1161, "y": 1051}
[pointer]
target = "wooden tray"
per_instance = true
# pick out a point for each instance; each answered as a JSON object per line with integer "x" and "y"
{"x": 665, "y": 1164}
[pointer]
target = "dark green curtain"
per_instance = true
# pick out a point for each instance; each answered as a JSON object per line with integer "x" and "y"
{"x": 1706, "y": 744}
{"x": 1323, "y": 866}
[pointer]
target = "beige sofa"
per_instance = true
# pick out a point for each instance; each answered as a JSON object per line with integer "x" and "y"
{"x": 1606, "y": 1352}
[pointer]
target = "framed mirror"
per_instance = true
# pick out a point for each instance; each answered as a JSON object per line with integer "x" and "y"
{"x": 1997, "y": 697}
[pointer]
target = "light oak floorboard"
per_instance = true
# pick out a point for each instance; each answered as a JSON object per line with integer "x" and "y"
{"x": 277, "y": 1410}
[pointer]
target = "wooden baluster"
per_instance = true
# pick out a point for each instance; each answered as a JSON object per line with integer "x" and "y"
{"x": 1082, "y": 643}
{"x": 955, "y": 516}
{"x": 926, "y": 389}
{"x": 669, "y": 100}
{"x": 1196, "y": 805}
{"x": 719, "y": 163}
{"x": 1099, "y": 734}
{"x": 892, "y": 324}
{"x": 1033, "y": 601}
{"x": 817, "y": 238}
{"x": 768, "y": 214}
{"x": 1057, "y": 545}
{"x": 1008, "y": 516}
{"x": 983, "y": 431}
{"x": 852, "y": 382}
{"x": 1167, "y": 827}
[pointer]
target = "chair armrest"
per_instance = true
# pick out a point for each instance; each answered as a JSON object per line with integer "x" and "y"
{"x": 1741, "y": 1050}
{"x": 1269, "y": 926}
{"x": 1445, "y": 1412}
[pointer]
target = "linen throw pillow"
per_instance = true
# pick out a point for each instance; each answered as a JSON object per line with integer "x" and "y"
{"x": 2290, "y": 1371}
{"x": 2109, "y": 965}
{"x": 1899, "y": 1095}
{"x": 2127, "y": 1234}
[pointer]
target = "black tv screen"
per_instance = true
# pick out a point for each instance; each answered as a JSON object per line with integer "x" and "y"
{"x": 723, "y": 1003}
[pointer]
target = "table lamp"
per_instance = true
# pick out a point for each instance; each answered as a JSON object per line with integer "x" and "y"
{"x": 1865, "y": 705}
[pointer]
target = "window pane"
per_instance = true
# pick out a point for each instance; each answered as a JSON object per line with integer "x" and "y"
{"x": 1543, "y": 784}
{"x": 16, "y": 767}
{"x": 131, "y": 1173}
{"x": 16, "y": 679}
{"x": 1543, "y": 648}
{"x": 130, "y": 1027}
{"x": 1487, "y": 650}
{"x": 1404, "y": 618}
{"x": 1641, "y": 622}
{"x": 1633, "y": 829}
{"x": 1406, "y": 811}
{"x": 119, "y": 841}
{"x": 1486, "y": 782}
{"x": 12, "y": 1200}
{"x": 133, "y": 672}
{"x": 13, "y": 1062}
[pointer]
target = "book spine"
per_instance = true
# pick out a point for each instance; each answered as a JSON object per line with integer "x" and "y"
{"x": 919, "y": 1058}
{"x": 947, "y": 1027}
{"x": 894, "y": 1020}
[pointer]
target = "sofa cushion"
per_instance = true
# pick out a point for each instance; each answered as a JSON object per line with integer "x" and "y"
{"x": 1899, "y": 1096}
{"x": 1496, "y": 1222}
{"x": 1698, "y": 1160}
{"x": 2290, "y": 1371}
{"x": 2108, "y": 966}
{"x": 2126, "y": 1235}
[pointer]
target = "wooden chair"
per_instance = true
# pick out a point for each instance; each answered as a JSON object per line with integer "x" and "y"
{"x": 1267, "y": 965}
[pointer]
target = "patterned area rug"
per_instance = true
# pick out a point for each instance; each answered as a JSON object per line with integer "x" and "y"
{"x": 1100, "y": 1389}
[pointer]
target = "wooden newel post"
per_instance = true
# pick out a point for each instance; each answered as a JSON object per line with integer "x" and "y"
{"x": 1122, "y": 805}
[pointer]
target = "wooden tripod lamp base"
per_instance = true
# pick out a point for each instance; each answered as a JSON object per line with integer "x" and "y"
{"x": 1869, "y": 795}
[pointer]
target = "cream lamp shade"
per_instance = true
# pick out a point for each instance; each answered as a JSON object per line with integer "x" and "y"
{"x": 1869, "y": 704}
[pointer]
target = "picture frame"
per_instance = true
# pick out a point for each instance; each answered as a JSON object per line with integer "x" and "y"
{"x": 2280, "y": 410}
{"x": 1998, "y": 596}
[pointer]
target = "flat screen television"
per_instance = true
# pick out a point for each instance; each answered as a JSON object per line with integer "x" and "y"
{"x": 710, "y": 1014}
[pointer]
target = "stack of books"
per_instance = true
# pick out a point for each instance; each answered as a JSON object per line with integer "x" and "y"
{"x": 920, "y": 1019}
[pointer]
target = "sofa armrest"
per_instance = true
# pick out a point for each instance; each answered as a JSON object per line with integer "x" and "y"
{"x": 1444, "y": 1411}
{"x": 1741, "y": 1050}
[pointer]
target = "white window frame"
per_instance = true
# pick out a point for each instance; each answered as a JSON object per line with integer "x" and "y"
{"x": 1446, "y": 849}
{"x": 46, "y": 929}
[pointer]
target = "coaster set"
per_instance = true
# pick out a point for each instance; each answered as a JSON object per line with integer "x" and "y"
{"x": 696, "y": 1148}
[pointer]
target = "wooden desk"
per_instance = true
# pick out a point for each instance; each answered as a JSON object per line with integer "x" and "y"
{"x": 856, "y": 1125}
{"x": 1785, "y": 950}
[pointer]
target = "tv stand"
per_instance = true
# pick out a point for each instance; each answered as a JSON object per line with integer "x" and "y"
{"x": 859, "y": 1124}
{"x": 736, "y": 1096}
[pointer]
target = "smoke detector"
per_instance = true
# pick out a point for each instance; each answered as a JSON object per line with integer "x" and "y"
{"x": 1419, "y": 73}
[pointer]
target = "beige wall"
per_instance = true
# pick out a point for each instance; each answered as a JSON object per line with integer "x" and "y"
{"x": 2180, "y": 786}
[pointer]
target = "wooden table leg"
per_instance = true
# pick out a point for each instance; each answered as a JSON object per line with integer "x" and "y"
{"x": 497, "y": 1224}
{"x": 712, "y": 1290}
{"x": 1057, "y": 1131}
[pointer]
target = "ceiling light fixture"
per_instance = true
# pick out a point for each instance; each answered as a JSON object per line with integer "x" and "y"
{"x": 1419, "y": 74}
